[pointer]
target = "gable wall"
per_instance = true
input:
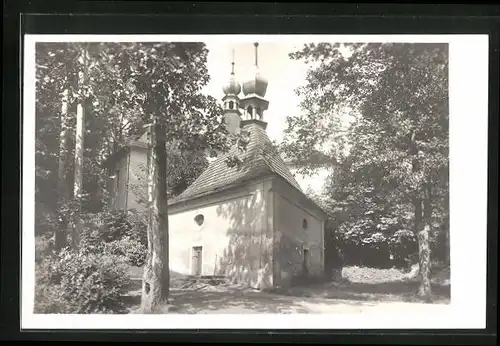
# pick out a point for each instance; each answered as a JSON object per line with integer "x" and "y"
{"x": 290, "y": 239}
{"x": 235, "y": 237}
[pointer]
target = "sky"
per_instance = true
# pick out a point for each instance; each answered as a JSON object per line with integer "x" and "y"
{"x": 284, "y": 75}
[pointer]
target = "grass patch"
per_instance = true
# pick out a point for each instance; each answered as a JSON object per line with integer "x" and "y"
{"x": 377, "y": 285}
{"x": 372, "y": 275}
{"x": 361, "y": 286}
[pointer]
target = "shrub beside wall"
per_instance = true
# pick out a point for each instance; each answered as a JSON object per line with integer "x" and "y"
{"x": 375, "y": 251}
{"x": 94, "y": 278}
{"x": 114, "y": 233}
{"x": 80, "y": 283}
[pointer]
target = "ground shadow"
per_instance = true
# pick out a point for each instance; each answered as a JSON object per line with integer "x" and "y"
{"x": 132, "y": 299}
{"x": 397, "y": 291}
{"x": 205, "y": 297}
{"x": 397, "y": 287}
{"x": 191, "y": 296}
{"x": 236, "y": 301}
{"x": 232, "y": 301}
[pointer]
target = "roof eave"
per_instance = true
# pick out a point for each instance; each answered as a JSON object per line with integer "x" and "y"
{"x": 173, "y": 202}
{"x": 113, "y": 157}
{"x": 309, "y": 199}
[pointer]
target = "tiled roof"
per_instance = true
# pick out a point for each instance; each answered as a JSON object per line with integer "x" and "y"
{"x": 259, "y": 159}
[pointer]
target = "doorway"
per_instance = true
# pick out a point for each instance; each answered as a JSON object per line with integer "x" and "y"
{"x": 196, "y": 261}
{"x": 305, "y": 262}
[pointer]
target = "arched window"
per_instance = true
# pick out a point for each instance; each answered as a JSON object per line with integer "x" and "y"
{"x": 304, "y": 224}
{"x": 199, "y": 219}
{"x": 249, "y": 111}
{"x": 231, "y": 104}
{"x": 259, "y": 113}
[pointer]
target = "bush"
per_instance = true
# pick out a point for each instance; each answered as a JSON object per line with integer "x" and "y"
{"x": 44, "y": 247}
{"x": 439, "y": 246}
{"x": 80, "y": 282}
{"x": 402, "y": 245}
{"x": 128, "y": 250}
{"x": 113, "y": 225}
{"x": 113, "y": 233}
{"x": 133, "y": 252}
{"x": 375, "y": 249}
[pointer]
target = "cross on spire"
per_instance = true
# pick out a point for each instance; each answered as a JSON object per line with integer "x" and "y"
{"x": 232, "y": 62}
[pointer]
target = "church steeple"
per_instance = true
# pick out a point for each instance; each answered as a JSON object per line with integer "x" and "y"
{"x": 232, "y": 89}
{"x": 254, "y": 89}
{"x": 255, "y": 83}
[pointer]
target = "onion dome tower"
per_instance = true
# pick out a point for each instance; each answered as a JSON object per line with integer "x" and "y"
{"x": 254, "y": 90}
{"x": 232, "y": 114}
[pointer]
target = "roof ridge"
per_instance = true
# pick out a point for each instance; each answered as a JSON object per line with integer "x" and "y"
{"x": 278, "y": 157}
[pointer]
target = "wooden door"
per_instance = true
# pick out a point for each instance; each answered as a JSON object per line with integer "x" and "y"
{"x": 305, "y": 263}
{"x": 196, "y": 261}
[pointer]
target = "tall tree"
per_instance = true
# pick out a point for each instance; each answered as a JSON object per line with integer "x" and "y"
{"x": 81, "y": 106}
{"x": 62, "y": 186}
{"x": 165, "y": 82}
{"x": 397, "y": 139}
{"x": 109, "y": 119}
{"x": 55, "y": 72}
{"x": 61, "y": 99}
{"x": 128, "y": 86}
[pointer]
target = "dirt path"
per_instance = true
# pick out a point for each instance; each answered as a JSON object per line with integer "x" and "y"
{"x": 243, "y": 301}
{"x": 197, "y": 297}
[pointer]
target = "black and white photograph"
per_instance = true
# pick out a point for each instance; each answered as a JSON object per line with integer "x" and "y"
{"x": 182, "y": 181}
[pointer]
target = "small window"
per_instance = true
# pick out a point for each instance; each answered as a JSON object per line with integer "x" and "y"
{"x": 249, "y": 111}
{"x": 199, "y": 219}
{"x": 231, "y": 104}
{"x": 304, "y": 224}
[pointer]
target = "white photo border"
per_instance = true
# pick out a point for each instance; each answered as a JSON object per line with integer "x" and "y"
{"x": 468, "y": 97}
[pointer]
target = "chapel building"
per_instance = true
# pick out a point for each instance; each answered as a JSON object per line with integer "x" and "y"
{"x": 251, "y": 223}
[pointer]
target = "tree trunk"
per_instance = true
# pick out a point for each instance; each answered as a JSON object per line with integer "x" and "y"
{"x": 423, "y": 229}
{"x": 156, "y": 279}
{"x": 447, "y": 226}
{"x": 79, "y": 152}
{"x": 62, "y": 182}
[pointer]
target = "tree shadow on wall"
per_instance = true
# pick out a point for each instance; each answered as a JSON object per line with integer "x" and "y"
{"x": 242, "y": 258}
